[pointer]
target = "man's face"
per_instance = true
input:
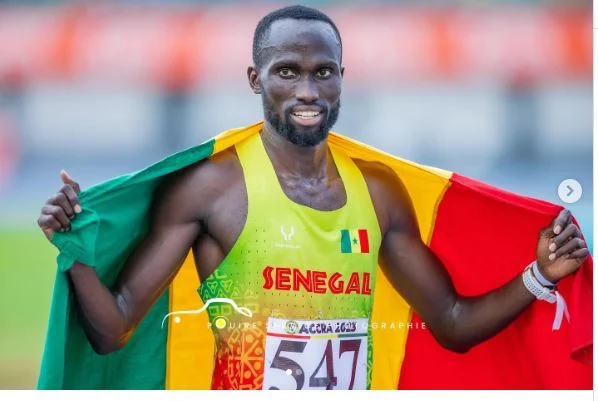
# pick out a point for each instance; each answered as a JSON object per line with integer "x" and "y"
{"x": 300, "y": 80}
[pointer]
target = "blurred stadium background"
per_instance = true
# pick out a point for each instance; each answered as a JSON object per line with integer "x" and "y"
{"x": 496, "y": 90}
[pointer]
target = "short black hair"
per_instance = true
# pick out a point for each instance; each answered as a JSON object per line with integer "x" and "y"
{"x": 290, "y": 12}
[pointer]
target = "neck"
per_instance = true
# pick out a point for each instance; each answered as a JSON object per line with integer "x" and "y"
{"x": 303, "y": 162}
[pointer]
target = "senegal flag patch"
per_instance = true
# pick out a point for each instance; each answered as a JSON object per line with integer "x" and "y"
{"x": 355, "y": 241}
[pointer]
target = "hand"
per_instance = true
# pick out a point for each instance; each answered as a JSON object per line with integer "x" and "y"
{"x": 61, "y": 208}
{"x": 560, "y": 251}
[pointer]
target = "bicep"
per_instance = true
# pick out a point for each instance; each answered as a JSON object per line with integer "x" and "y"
{"x": 152, "y": 266}
{"x": 411, "y": 266}
{"x": 418, "y": 275}
{"x": 154, "y": 262}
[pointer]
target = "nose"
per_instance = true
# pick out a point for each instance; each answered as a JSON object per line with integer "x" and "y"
{"x": 307, "y": 91}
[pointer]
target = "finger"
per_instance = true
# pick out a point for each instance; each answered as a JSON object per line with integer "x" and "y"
{"x": 48, "y": 232}
{"x": 562, "y": 220}
{"x": 72, "y": 197}
{"x": 547, "y": 232}
{"x": 60, "y": 199}
{"x": 570, "y": 231}
{"x": 59, "y": 214}
{"x": 580, "y": 254}
{"x": 49, "y": 224}
{"x": 66, "y": 179}
{"x": 571, "y": 246}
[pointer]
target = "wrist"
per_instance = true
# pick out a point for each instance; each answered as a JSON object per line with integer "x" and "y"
{"x": 545, "y": 293}
{"x": 543, "y": 278}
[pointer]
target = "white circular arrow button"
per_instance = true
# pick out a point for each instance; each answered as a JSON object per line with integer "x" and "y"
{"x": 570, "y": 190}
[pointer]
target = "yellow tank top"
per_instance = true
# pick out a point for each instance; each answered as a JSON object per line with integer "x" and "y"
{"x": 290, "y": 304}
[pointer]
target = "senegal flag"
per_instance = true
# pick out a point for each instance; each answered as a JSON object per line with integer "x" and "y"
{"x": 355, "y": 241}
{"x": 485, "y": 236}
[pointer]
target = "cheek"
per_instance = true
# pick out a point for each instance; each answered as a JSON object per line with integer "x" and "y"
{"x": 331, "y": 90}
{"x": 278, "y": 93}
{"x": 278, "y": 96}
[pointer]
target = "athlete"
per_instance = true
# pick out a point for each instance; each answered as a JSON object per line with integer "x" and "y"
{"x": 263, "y": 220}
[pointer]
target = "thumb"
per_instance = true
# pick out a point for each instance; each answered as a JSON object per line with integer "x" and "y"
{"x": 66, "y": 179}
{"x": 547, "y": 232}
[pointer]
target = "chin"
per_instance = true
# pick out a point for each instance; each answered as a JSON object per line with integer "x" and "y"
{"x": 296, "y": 134}
{"x": 309, "y": 141}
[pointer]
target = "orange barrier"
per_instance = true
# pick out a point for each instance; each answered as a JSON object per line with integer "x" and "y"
{"x": 175, "y": 47}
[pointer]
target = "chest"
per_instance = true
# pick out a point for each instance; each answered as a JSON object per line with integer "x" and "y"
{"x": 321, "y": 194}
{"x": 282, "y": 256}
{"x": 230, "y": 213}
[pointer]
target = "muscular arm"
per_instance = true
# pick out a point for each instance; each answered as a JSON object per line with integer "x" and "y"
{"x": 111, "y": 315}
{"x": 457, "y": 322}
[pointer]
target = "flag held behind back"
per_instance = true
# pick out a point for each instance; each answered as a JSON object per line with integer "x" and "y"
{"x": 461, "y": 220}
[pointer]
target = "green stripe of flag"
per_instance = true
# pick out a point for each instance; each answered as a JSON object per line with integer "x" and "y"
{"x": 345, "y": 241}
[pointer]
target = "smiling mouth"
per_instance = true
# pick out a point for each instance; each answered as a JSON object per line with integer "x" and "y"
{"x": 306, "y": 115}
{"x": 306, "y": 118}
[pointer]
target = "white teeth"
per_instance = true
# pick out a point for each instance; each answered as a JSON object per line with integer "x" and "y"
{"x": 306, "y": 114}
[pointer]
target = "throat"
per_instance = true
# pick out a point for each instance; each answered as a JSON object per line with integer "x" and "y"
{"x": 307, "y": 176}
{"x": 324, "y": 194}
{"x": 305, "y": 163}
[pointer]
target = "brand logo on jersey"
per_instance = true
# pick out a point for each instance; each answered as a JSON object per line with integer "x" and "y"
{"x": 287, "y": 235}
{"x": 318, "y": 282}
{"x": 355, "y": 241}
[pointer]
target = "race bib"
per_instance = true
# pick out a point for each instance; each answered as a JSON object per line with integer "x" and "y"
{"x": 316, "y": 354}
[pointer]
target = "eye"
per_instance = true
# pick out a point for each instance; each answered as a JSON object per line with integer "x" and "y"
{"x": 324, "y": 73}
{"x": 286, "y": 72}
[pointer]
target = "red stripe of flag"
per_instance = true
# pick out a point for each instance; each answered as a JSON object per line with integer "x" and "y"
{"x": 517, "y": 357}
{"x": 363, "y": 241}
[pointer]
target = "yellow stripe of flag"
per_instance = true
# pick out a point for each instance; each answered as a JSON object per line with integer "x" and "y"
{"x": 191, "y": 344}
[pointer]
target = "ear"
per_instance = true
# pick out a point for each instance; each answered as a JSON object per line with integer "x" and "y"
{"x": 254, "y": 80}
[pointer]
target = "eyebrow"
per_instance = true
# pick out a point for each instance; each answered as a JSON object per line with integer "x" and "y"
{"x": 295, "y": 64}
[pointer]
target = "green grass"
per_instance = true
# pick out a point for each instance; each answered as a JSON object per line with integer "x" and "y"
{"x": 27, "y": 270}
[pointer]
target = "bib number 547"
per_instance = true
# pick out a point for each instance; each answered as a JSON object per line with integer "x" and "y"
{"x": 322, "y": 364}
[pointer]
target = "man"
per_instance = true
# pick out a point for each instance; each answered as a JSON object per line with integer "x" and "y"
{"x": 232, "y": 208}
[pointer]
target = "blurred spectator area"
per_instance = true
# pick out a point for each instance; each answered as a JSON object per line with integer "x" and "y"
{"x": 479, "y": 87}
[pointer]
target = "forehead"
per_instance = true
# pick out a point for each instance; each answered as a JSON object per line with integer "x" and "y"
{"x": 290, "y": 37}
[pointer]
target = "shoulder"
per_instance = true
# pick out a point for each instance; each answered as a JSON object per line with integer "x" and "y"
{"x": 389, "y": 195}
{"x": 193, "y": 189}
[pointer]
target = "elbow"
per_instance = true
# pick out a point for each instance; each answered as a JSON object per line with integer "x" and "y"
{"x": 449, "y": 338}
{"x": 451, "y": 343}
{"x": 455, "y": 346}
{"x": 105, "y": 347}
{"x": 102, "y": 349}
